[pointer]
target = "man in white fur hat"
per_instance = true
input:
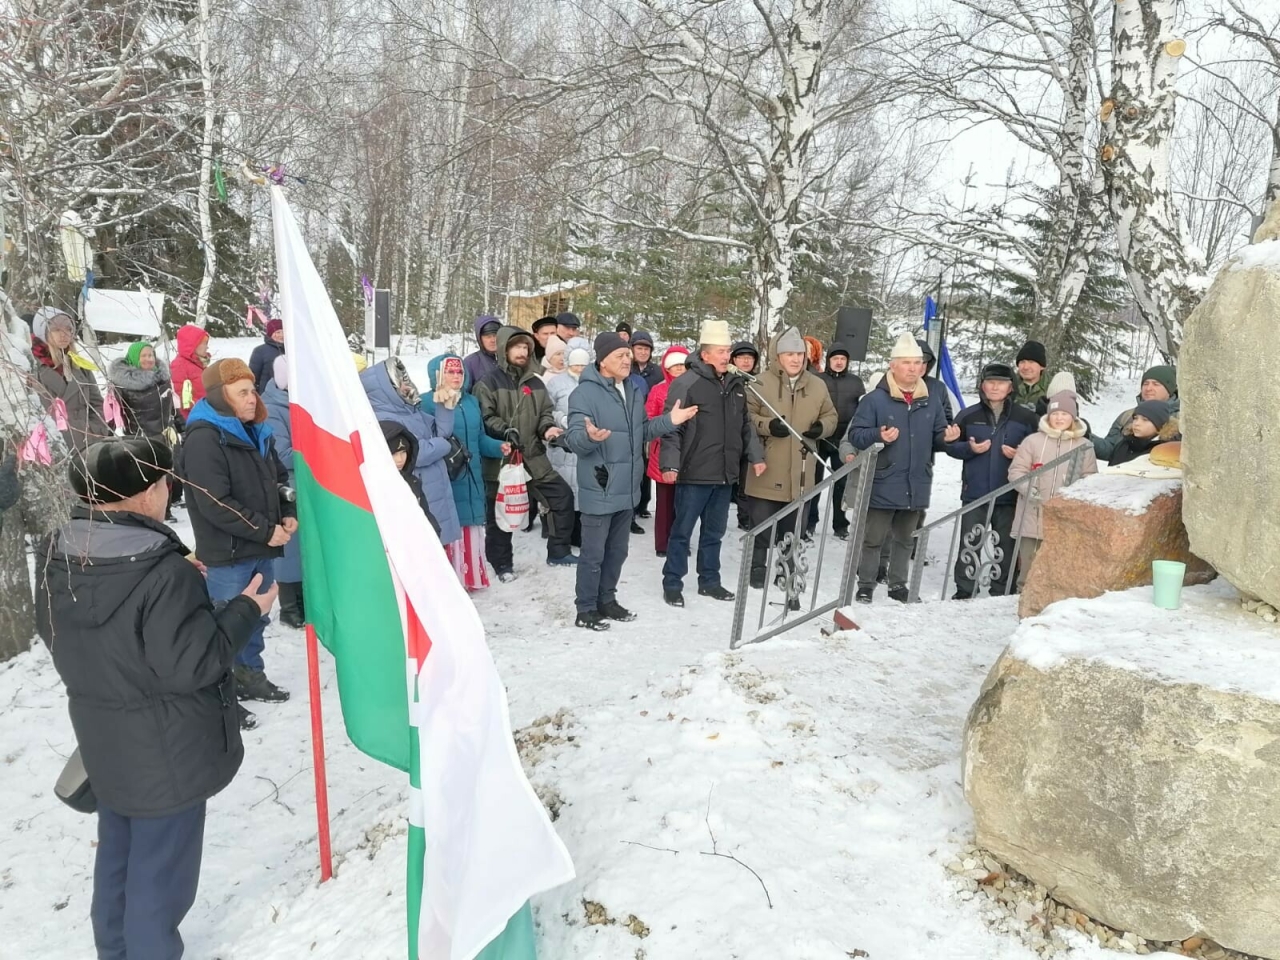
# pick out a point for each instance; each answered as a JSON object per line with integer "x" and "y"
{"x": 902, "y": 414}
{"x": 704, "y": 460}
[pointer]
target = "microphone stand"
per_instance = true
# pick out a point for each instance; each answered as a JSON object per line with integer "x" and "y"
{"x": 806, "y": 446}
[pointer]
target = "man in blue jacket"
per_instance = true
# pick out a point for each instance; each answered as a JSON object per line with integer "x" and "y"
{"x": 608, "y": 430}
{"x": 904, "y": 414}
{"x": 990, "y": 432}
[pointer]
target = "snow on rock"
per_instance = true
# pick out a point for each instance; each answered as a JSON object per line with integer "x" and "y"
{"x": 1263, "y": 256}
{"x": 1210, "y": 641}
{"x": 1121, "y": 492}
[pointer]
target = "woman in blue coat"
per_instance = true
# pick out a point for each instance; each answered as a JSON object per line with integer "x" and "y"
{"x": 394, "y": 396}
{"x": 457, "y": 414}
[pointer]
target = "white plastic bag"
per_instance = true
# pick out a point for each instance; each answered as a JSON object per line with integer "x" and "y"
{"x": 511, "y": 510}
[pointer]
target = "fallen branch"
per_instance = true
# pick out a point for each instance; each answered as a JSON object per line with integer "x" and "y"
{"x": 714, "y": 852}
{"x": 647, "y": 847}
{"x": 274, "y": 795}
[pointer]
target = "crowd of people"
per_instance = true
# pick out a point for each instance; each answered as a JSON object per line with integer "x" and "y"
{"x": 158, "y": 646}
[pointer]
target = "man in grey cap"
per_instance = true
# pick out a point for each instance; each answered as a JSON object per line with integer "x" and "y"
{"x": 567, "y": 325}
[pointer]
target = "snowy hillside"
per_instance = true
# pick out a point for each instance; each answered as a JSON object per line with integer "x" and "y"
{"x": 827, "y": 766}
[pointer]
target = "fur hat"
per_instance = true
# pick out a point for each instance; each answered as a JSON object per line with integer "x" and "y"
{"x": 578, "y": 357}
{"x": 274, "y": 325}
{"x": 1034, "y": 350}
{"x": 715, "y": 333}
{"x": 790, "y": 341}
{"x": 607, "y": 343}
{"x": 118, "y": 468}
{"x": 221, "y": 374}
{"x": 1065, "y": 400}
{"x": 1164, "y": 375}
{"x": 280, "y": 371}
{"x": 906, "y": 348}
{"x": 1157, "y": 411}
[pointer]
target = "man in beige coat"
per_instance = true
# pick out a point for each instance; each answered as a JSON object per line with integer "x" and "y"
{"x": 802, "y": 400}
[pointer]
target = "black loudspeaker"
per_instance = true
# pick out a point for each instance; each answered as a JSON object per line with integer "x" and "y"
{"x": 377, "y": 321}
{"x": 853, "y": 331}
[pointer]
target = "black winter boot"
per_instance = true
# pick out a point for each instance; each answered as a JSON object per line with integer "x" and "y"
{"x": 291, "y": 612}
{"x": 254, "y": 685}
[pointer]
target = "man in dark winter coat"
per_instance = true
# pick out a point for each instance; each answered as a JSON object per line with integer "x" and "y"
{"x": 1158, "y": 383}
{"x": 484, "y": 360}
{"x": 846, "y": 389}
{"x": 704, "y": 460}
{"x": 262, "y": 360}
{"x": 543, "y": 329}
{"x": 642, "y": 355}
{"x": 903, "y": 414}
{"x": 1033, "y": 382}
{"x": 146, "y": 660}
{"x": 744, "y": 356}
{"x": 990, "y": 432}
{"x": 241, "y": 523}
{"x": 517, "y": 410}
{"x": 608, "y": 430}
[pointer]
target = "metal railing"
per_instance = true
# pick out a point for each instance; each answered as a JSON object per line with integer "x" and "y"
{"x": 789, "y": 573}
{"x": 988, "y": 546}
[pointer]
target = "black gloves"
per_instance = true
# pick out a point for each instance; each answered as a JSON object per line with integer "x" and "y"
{"x": 602, "y": 477}
{"x": 815, "y": 430}
{"x": 778, "y": 429}
{"x": 512, "y": 436}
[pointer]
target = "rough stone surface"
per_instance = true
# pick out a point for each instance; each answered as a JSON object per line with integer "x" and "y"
{"x": 1150, "y": 804}
{"x": 1095, "y": 545}
{"x": 1230, "y": 428}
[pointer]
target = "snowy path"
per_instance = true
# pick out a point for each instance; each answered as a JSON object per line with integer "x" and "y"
{"x": 829, "y": 766}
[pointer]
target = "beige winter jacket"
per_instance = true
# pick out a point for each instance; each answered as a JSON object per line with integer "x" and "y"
{"x": 806, "y": 403}
{"x": 1040, "y": 448}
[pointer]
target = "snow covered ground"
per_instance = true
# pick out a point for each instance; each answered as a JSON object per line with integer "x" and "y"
{"x": 829, "y": 767}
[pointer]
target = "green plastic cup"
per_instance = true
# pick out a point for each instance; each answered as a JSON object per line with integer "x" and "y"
{"x": 1166, "y": 583}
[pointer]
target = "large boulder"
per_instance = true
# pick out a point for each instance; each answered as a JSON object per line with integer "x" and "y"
{"x": 1101, "y": 533}
{"x": 1127, "y": 759}
{"x": 1231, "y": 432}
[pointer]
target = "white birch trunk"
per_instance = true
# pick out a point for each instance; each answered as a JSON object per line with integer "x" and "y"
{"x": 206, "y": 172}
{"x": 1166, "y": 279}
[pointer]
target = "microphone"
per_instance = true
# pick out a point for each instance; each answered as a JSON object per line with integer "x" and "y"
{"x": 742, "y": 374}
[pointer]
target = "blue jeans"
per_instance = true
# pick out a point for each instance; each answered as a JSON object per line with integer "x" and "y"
{"x": 227, "y": 583}
{"x": 710, "y": 504}
{"x": 144, "y": 882}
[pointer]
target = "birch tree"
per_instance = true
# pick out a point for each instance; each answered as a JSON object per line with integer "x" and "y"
{"x": 1138, "y": 116}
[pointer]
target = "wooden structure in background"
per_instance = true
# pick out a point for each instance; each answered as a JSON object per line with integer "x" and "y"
{"x": 526, "y": 306}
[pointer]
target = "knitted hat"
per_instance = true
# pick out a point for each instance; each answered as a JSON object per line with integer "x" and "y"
{"x": 714, "y": 333}
{"x": 118, "y": 468}
{"x": 274, "y": 326}
{"x": 1065, "y": 400}
{"x": 543, "y": 322}
{"x": 838, "y": 350}
{"x": 280, "y": 372}
{"x": 744, "y": 346}
{"x": 578, "y": 357}
{"x": 453, "y": 364}
{"x": 1166, "y": 376}
{"x": 790, "y": 341}
{"x": 676, "y": 357}
{"x": 906, "y": 348}
{"x": 642, "y": 336}
{"x": 623, "y": 327}
{"x": 608, "y": 342}
{"x": 555, "y": 344}
{"x": 1062, "y": 380}
{"x": 996, "y": 371}
{"x": 1157, "y": 411}
{"x": 568, "y": 319}
{"x": 1034, "y": 350}
{"x": 134, "y": 357}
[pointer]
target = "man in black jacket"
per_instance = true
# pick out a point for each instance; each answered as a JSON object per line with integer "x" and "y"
{"x": 240, "y": 520}
{"x": 704, "y": 460}
{"x": 146, "y": 660}
{"x": 846, "y": 389}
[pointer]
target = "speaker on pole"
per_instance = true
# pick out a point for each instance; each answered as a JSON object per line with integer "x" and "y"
{"x": 853, "y": 331}
{"x": 377, "y": 321}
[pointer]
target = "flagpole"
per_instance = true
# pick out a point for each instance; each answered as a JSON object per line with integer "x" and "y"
{"x": 317, "y": 756}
